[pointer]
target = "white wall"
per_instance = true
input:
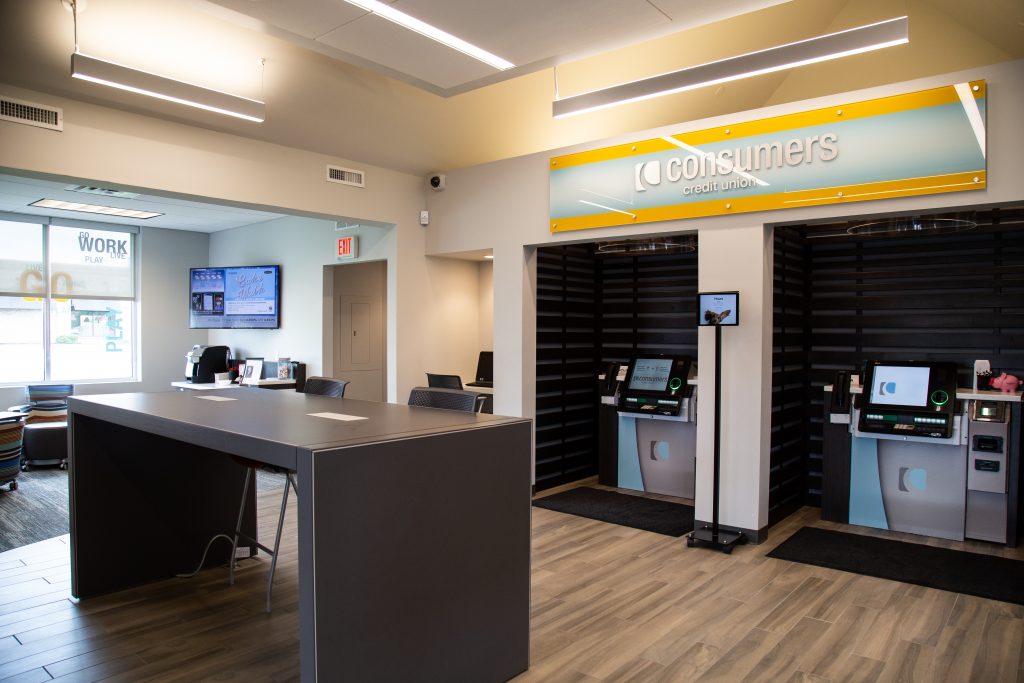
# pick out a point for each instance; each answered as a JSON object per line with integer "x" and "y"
{"x": 164, "y": 336}
{"x": 432, "y": 326}
{"x": 301, "y": 246}
{"x": 486, "y": 306}
{"x": 504, "y": 206}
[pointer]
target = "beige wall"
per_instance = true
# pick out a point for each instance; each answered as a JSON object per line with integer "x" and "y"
{"x": 486, "y": 306}
{"x": 504, "y": 206}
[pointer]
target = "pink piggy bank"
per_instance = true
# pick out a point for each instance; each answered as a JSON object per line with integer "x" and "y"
{"x": 1005, "y": 383}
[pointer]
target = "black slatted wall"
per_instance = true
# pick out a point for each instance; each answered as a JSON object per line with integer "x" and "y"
{"x": 648, "y": 305}
{"x": 593, "y": 310}
{"x": 956, "y": 297}
{"x": 795, "y": 478}
{"x": 567, "y": 327}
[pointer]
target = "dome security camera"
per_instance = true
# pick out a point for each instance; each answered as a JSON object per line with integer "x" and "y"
{"x": 436, "y": 182}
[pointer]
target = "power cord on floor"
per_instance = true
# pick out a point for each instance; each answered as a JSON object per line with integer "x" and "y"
{"x": 209, "y": 543}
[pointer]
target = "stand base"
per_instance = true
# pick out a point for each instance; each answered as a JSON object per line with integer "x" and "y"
{"x": 724, "y": 541}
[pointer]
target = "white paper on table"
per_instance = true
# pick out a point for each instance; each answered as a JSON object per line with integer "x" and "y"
{"x": 216, "y": 398}
{"x": 337, "y": 416}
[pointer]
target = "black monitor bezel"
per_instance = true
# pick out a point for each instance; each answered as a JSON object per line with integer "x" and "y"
{"x": 191, "y": 322}
{"x": 682, "y": 391}
{"x": 701, "y": 322}
{"x": 933, "y": 379}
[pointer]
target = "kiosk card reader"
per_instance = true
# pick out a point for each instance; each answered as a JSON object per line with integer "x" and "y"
{"x": 909, "y": 398}
{"x": 655, "y": 385}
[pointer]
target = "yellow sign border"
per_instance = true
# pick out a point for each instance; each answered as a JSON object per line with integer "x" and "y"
{"x": 957, "y": 182}
{"x": 907, "y": 187}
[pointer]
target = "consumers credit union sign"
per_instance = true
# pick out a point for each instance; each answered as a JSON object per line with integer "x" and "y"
{"x": 918, "y": 143}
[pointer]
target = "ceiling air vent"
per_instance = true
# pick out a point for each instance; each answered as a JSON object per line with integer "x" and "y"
{"x": 88, "y": 189}
{"x": 31, "y": 114}
{"x": 346, "y": 176}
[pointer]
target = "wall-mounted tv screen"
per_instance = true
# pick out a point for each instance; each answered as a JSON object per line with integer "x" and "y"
{"x": 243, "y": 297}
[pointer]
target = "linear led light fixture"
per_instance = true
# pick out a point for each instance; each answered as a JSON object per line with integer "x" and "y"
{"x": 424, "y": 29}
{"x": 94, "y": 208}
{"x": 822, "y": 48}
{"x": 125, "y": 78}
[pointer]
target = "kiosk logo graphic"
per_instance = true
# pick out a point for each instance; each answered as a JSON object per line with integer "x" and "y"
{"x": 917, "y": 477}
{"x": 886, "y": 388}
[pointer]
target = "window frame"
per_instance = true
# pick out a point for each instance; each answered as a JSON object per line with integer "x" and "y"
{"x": 47, "y": 297}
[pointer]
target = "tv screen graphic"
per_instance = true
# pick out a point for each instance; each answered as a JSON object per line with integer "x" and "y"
{"x": 237, "y": 298}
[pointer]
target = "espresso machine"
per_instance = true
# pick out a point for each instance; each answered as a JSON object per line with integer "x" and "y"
{"x": 203, "y": 361}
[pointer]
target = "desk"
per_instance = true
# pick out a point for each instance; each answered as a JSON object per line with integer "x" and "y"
{"x": 413, "y": 523}
{"x": 259, "y": 384}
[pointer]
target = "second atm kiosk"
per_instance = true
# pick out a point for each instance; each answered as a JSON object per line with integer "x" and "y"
{"x": 919, "y": 454}
{"x": 655, "y": 447}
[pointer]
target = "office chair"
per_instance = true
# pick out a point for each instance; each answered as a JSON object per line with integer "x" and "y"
{"x": 325, "y": 386}
{"x": 444, "y": 381}
{"x": 45, "y": 439}
{"x": 322, "y": 386}
{"x": 11, "y": 434}
{"x": 449, "y": 399}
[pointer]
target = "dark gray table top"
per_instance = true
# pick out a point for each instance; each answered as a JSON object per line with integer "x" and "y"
{"x": 272, "y": 426}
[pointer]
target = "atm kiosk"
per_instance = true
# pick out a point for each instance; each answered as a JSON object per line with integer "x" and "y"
{"x": 657, "y": 426}
{"x": 912, "y": 452}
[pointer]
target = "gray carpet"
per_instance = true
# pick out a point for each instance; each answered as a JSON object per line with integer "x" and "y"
{"x": 38, "y": 510}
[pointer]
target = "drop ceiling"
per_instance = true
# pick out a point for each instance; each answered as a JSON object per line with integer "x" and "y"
{"x": 18, "y": 192}
{"x": 343, "y": 84}
{"x": 532, "y": 34}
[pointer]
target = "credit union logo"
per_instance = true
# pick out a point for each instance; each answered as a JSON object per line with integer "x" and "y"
{"x": 731, "y": 169}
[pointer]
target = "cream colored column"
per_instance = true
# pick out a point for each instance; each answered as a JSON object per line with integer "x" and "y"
{"x": 515, "y": 331}
{"x": 736, "y": 259}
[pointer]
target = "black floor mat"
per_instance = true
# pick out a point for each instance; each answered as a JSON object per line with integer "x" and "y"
{"x": 985, "y": 576}
{"x": 659, "y": 516}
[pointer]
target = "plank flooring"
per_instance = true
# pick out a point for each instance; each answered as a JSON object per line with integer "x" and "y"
{"x": 609, "y": 603}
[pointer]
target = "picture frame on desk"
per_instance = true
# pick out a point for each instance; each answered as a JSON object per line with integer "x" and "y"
{"x": 253, "y": 371}
{"x": 284, "y": 368}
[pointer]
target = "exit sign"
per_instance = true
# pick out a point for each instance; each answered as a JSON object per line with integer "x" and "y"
{"x": 348, "y": 247}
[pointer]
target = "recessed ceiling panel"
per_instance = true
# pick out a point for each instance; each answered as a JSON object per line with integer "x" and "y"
{"x": 528, "y": 31}
{"x": 385, "y": 43}
{"x": 690, "y": 13}
{"x": 18, "y": 192}
{"x": 307, "y": 18}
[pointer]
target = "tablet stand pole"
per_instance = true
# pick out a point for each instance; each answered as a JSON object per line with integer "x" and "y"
{"x": 712, "y": 536}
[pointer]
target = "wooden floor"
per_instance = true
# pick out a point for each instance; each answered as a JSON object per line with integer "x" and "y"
{"x": 609, "y": 604}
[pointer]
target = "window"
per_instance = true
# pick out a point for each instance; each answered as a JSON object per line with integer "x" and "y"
{"x": 67, "y": 303}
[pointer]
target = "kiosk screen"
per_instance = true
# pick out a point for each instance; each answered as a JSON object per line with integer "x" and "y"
{"x": 900, "y": 385}
{"x": 650, "y": 374}
{"x": 909, "y": 398}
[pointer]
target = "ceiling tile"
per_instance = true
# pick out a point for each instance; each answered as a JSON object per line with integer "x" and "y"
{"x": 307, "y": 18}
{"x": 689, "y": 13}
{"x": 528, "y": 31}
{"x": 394, "y": 47}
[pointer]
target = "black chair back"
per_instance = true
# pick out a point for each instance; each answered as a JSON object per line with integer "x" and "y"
{"x": 449, "y": 399}
{"x": 444, "y": 381}
{"x": 325, "y": 386}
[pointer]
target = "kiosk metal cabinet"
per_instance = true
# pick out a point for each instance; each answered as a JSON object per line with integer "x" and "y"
{"x": 912, "y": 452}
{"x": 987, "y": 470}
{"x": 657, "y": 428}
